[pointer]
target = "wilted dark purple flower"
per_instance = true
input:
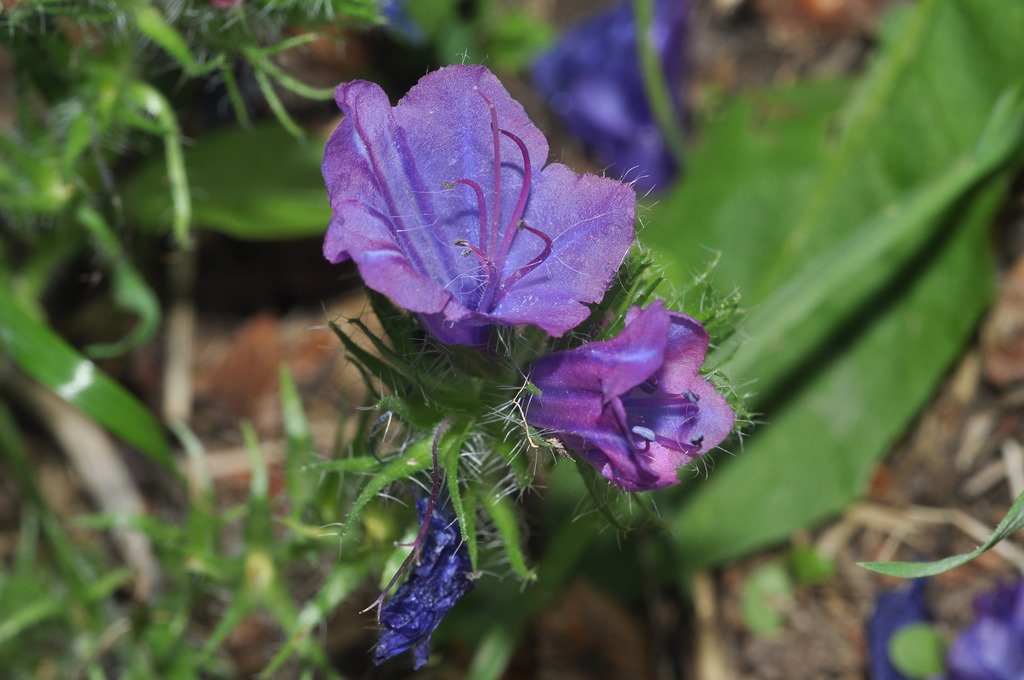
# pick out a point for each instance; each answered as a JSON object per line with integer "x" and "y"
{"x": 442, "y": 576}
{"x": 634, "y": 406}
{"x": 993, "y": 647}
{"x": 893, "y": 611}
{"x": 592, "y": 79}
{"x": 440, "y": 204}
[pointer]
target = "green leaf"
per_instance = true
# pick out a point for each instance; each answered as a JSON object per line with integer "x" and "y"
{"x": 506, "y": 520}
{"x": 131, "y": 292}
{"x": 767, "y": 593}
{"x": 255, "y": 184}
{"x": 49, "y": 359}
{"x": 809, "y": 566}
{"x": 464, "y": 507}
{"x": 1013, "y": 522}
{"x": 150, "y": 100}
{"x": 801, "y": 315}
{"x": 342, "y": 582}
{"x": 917, "y": 651}
{"x": 301, "y": 451}
{"x": 153, "y": 25}
{"x": 416, "y": 458}
{"x": 765, "y": 191}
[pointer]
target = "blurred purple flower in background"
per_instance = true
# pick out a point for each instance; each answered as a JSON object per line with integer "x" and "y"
{"x": 442, "y": 204}
{"x": 593, "y": 80}
{"x": 634, "y": 406}
{"x": 442, "y": 577}
{"x": 893, "y": 611}
{"x": 399, "y": 22}
{"x": 993, "y": 647}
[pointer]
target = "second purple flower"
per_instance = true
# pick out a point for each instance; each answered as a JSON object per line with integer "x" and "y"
{"x": 445, "y": 206}
{"x": 634, "y": 406}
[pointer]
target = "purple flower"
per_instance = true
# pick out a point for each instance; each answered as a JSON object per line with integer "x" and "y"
{"x": 442, "y": 204}
{"x": 634, "y": 406}
{"x": 893, "y": 611}
{"x": 592, "y": 79}
{"x": 992, "y": 648}
{"x": 442, "y": 577}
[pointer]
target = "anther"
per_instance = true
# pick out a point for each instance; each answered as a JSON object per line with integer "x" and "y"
{"x": 645, "y": 433}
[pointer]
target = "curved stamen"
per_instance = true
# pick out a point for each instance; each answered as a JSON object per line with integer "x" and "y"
{"x": 496, "y": 141}
{"x": 480, "y": 255}
{"x": 532, "y": 264}
{"x": 481, "y": 207}
{"x": 517, "y": 214}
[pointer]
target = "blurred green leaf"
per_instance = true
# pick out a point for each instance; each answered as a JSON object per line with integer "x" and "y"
{"x": 800, "y": 315}
{"x": 255, "y": 184}
{"x": 342, "y": 582}
{"x": 767, "y": 594}
{"x": 131, "y": 292}
{"x": 1013, "y": 522}
{"x": 46, "y": 357}
{"x": 153, "y": 25}
{"x": 917, "y": 651}
{"x": 150, "y": 101}
{"x": 809, "y": 566}
{"x": 506, "y": 521}
{"x": 774, "y": 185}
{"x": 301, "y": 451}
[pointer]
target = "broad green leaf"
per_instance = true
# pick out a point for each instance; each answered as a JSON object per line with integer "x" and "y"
{"x": 1013, "y": 522}
{"x": 49, "y": 359}
{"x": 801, "y": 314}
{"x": 776, "y": 184}
{"x": 255, "y": 184}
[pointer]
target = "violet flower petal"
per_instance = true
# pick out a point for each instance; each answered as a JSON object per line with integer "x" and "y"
{"x": 593, "y": 80}
{"x": 993, "y": 647}
{"x": 442, "y": 577}
{"x": 465, "y": 237}
{"x": 634, "y": 406}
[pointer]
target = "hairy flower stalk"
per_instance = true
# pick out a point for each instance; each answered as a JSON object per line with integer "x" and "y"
{"x": 440, "y": 203}
{"x": 634, "y": 406}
